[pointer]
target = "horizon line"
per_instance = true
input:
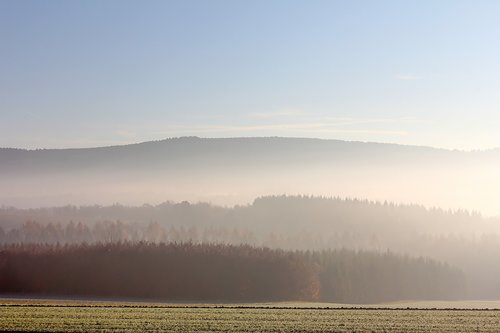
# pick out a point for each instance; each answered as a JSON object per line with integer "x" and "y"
{"x": 253, "y": 137}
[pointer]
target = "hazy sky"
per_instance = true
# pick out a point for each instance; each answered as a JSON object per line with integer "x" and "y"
{"x": 90, "y": 73}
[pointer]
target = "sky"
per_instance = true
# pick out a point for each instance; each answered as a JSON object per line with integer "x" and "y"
{"x": 97, "y": 73}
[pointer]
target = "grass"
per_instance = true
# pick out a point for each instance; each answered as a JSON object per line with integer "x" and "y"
{"x": 78, "y": 316}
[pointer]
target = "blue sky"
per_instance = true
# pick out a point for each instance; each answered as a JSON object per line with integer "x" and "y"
{"x": 92, "y": 73}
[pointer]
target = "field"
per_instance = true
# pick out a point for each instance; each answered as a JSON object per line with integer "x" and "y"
{"x": 79, "y": 316}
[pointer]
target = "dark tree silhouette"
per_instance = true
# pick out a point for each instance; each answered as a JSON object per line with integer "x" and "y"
{"x": 221, "y": 273}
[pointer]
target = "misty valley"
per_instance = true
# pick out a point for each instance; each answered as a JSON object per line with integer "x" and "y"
{"x": 193, "y": 234}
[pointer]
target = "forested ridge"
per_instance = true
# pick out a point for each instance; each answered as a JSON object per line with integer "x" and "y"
{"x": 329, "y": 220}
{"x": 210, "y": 272}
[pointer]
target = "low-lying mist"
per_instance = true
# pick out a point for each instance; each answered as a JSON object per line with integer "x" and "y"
{"x": 235, "y": 171}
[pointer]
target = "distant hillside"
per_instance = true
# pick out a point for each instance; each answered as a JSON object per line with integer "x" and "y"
{"x": 194, "y": 152}
{"x": 236, "y": 170}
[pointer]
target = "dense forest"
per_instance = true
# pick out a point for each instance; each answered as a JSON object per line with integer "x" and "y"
{"x": 460, "y": 238}
{"x": 190, "y": 272}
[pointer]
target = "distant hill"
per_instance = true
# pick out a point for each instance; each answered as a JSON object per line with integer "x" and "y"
{"x": 236, "y": 170}
{"x": 213, "y": 153}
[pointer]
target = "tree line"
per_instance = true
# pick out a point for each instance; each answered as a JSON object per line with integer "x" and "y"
{"x": 292, "y": 222}
{"x": 118, "y": 231}
{"x": 216, "y": 272}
